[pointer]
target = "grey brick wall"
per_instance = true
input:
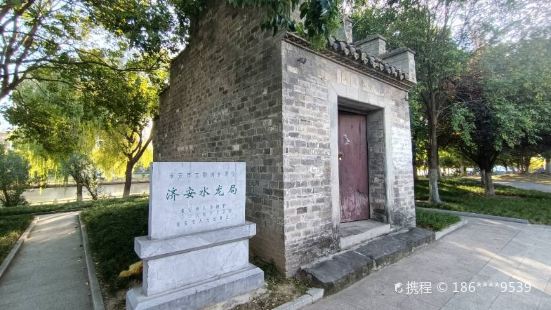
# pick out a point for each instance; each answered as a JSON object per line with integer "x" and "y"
{"x": 376, "y": 165}
{"x": 240, "y": 94}
{"x": 224, "y": 104}
{"x": 311, "y": 218}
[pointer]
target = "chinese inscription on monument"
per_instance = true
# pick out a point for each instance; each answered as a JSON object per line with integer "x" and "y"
{"x": 194, "y": 197}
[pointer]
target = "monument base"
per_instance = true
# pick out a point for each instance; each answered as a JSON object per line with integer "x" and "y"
{"x": 199, "y": 295}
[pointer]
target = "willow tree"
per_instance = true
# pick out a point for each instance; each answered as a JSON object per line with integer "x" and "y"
{"x": 122, "y": 104}
{"x": 49, "y": 124}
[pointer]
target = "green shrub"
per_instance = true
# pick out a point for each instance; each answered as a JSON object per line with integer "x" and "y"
{"x": 111, "y": 231}
{"x": 11, "y": 228}
{"x": 14, "y": 178}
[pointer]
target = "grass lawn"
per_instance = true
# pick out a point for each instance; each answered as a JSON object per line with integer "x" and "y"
{"x": 11, "y": 228}
{"x": 434, "y": 220}
{"x": 467, "y": 195}
{"x": 531, "y": 177}
{"x": 63, "y": 207}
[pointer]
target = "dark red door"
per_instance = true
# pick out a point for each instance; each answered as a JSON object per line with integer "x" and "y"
{"x": 353, "y": 167}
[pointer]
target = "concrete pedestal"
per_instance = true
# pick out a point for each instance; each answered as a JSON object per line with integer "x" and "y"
{"x": 196, "y": 270}
{"x": 199, "y": 295}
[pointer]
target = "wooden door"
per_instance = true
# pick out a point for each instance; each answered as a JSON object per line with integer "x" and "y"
{"x": 353, "y": 174}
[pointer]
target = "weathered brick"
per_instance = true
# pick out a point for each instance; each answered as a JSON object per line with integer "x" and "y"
{"x": 238, "y": 93}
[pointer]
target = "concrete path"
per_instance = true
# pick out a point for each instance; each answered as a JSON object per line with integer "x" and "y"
{"x": 482, "y": 253}
{"x": 49, "y": 270}
{"x": 527, "y": 185}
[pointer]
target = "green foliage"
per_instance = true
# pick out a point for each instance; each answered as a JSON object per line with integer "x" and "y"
{"x": 122, "y": 105}
{"x": 503, "y": 100}
{"x": 11, "y": 228}
{"x": 53, "y": 34}
{"x": 93, "y": 110}
{"x": 434, "y": 220}
{"x": 466, "y": 195}
{"x": 111, "y": 231}
{"x": 14, "y": 177}
{"x": 66, "y": 207}
{"x": 83, "y": 171}
{"x": 36, "y": 34}
{"x": 320, "y": 18}
{"x": 49, "y": 115}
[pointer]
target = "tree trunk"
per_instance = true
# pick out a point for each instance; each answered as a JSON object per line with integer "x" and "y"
{"x": 434, "y": 171}
{"x": 525, "y": 163}
{"x": 79, "y": 191}
{"x": 483, "y": 177}
{"x": 489, "y": 188}
{"x": 128, "y": 178}
{"x": 548, "y": 164}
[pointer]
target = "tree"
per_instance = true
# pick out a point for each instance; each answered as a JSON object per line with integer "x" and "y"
{"x": 51, "y": 33}
{"x": 503, "y": 101}
{"x": 84, "y": 172}
{"x": 94, "y": 108}
{"x": 50, "y": 120}
{"x": 14, "y": 177}
{"x": 35, "y": 35}
{"x": 123, "y": 105}
{"x": 424, "y": 26}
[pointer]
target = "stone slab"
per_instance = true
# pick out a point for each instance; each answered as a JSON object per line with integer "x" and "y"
{"x": 150, "y": 248}
{"x": 385, "y": 250}
{"x": 339, "y": 271}
{"x": 190, "y": 197}
{"x": 200, "y": 295}
{"x": 354, "y": 233}
{"x": 416, "y": 237}
{"x": 347, "y": 267}
{"x": 171, "y": 272}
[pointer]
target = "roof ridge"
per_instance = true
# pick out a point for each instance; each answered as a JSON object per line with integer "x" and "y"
{"x": 352, "y": 53}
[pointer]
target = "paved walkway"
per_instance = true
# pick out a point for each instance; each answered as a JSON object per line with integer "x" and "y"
{"x": 527, "y": 185}
{"x": 49, "y": 270}
{"x": 483, "y": 251}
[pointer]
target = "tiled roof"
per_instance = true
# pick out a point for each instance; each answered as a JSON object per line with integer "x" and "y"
{"x": 347, "y": 53}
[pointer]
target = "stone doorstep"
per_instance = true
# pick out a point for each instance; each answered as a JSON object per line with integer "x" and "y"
{"x": 199, "y": 296}
{"x": 349, "y": 266}
{"x": 354, "y": 233}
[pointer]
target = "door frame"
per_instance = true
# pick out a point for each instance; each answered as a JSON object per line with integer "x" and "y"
{"x": 364, "y": 115}
{"x": 340, "y": 98}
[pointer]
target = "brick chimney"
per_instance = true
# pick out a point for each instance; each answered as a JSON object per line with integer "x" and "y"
{"x": 344, "y": 33}
{"x": 374, "y": 45}
{"x": 404, "y": 59}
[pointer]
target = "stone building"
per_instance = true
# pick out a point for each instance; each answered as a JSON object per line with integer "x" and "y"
{"x": 325, "y": 134}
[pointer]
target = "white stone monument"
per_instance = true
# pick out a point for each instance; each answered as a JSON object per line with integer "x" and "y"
{"x": 197, "y": 250}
